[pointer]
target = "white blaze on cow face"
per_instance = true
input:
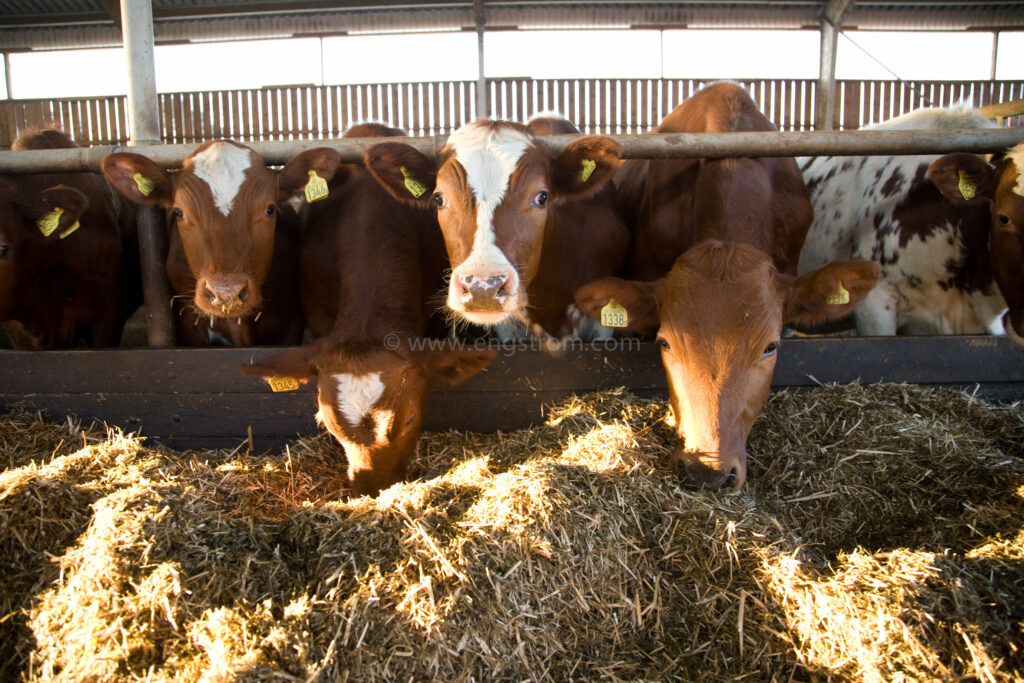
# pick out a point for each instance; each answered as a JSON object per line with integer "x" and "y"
{"x": 489, "y": 155}
{"x": 222, "y": 166}
{"x": 357, "y": 394}
{"x": 1016, "y": 155}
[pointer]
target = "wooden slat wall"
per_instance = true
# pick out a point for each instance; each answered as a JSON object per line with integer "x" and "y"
{"x": 614, "y": 106}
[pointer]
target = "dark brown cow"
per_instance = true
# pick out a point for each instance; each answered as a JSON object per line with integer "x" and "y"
{"x": 523, "y": 226}
{"x": 372, "y": 272}
{"x": 233, "y": 243}
{"x": 68, "y": 256}
{"x": 738, "y": 225}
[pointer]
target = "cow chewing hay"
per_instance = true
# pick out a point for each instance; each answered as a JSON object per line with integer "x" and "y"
{"x": 879, "y": 537}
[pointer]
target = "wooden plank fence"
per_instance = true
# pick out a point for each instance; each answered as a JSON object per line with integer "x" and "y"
{"x": 609, "y": 106}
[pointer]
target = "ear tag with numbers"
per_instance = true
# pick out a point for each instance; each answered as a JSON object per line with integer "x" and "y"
{"x": 316, "y": 188}
{"x": 70, "y": 230}
{"x": 588, "y": 168}
{"x": 966, "y": 186}
{"x": 840, "y": 297}
{"x": 50, "y": 222}
{"x": 282, "y": 384}
{"x": 144, "y": 184}
{"x": 614, "y": 315}
{"x": 415, "y": 187}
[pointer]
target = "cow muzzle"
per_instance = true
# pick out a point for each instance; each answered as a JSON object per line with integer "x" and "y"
{"x": 226, "y": 296}
{"x": 710, "y": 470}
{"x": 484, "y": 294}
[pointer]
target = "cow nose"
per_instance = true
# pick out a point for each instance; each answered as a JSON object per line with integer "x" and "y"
{"x": 484, "y": 292}
{"x": 701, "y": 476}
{"x": 224, "y": 294}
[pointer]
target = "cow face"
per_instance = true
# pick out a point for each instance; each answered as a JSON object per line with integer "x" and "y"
{"x": 493, "y": 193}
{"x": 719, "y": 315}
{"x": 28, "y": 223}
{"x": 223, "y": 205}
{"x": 371, "y": 399}
{"x": 966, "y": 178}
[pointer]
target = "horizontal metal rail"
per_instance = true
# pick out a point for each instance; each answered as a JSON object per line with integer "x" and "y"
{"x": 647, "y": 146}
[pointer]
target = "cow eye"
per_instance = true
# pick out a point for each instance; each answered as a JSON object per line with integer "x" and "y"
{"x": 4, "y": 250}
{"x": 770, "y": 350}
{"x": 178, "y": 213}
{"x": 1003, "y": 219}
{"x": 662, "y": 342}
{"x": 539, "y": 200}
{"x": 439, "y": 199}
{"x": 270, "y": 210}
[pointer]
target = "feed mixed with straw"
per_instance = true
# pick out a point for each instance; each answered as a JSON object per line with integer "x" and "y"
{"x": 880, "y": 536}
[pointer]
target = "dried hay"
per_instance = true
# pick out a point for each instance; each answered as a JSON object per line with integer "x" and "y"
{"x": 879, "y": 538}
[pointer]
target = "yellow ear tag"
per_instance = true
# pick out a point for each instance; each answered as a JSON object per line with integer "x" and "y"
{"x": 588, "y": 168}
{"x": 144, "y": 184}
{"x": 50, "y": 222}
{"x": 415, "y": 187}
{"x": 840, "y": 297}
{"x": 70, "y": 230}
{"x": 966, "y": 186}
{"x": 282, "y": 384}
{"x": 316, "y": 188}
{"x": 614, "y": 315}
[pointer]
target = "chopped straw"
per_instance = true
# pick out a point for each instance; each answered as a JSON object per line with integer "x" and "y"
{"x": 879, "y": 537}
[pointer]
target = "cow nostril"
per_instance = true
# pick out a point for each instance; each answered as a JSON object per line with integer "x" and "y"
{"x": 730, "y": 479}
{"x": 243, "y": 294}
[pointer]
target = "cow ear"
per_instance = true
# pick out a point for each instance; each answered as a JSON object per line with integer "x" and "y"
{"x": 295, "y": 363}
{"x": 403, "y": 171}
{"x": 585, "y": 166}
{"x": 641, "y": 301}
{"x": 961, "y": 177}
{"x": 308, "y": 172}
{"x": 56, "y": 210}
{"x": 829, "y": 293}
{"x": 458, "y": 365}
{"x": 139, "y": 178}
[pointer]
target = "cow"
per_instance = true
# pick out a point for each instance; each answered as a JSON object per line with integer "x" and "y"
{"x": 728, "y": 231}
{"x": 523, "y": 226}
{"x": 69, "y": 272}
{"x": 233, "y": 238}
{"x": 941, "y": 228}
{"x": 373, "y": 268}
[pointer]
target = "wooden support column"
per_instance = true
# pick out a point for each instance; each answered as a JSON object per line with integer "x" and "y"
{"x": 144, "y": 129}
{"x": 831, "y": 23}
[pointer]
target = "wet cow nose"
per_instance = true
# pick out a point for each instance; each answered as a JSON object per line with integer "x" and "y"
{"x": 225, "y": 294}
{"x": 701, "y": 476}
{"x": 484, "y": 292}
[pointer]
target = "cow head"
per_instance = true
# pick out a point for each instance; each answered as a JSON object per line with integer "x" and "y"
{"x": 719, "y": 315}
{"x": 493, "y": 192}
{"x": 967, "y": 178}
{"x": 371, "y": 398}
{"x": 29, "y": 220}
{"x": 224, "y": 205}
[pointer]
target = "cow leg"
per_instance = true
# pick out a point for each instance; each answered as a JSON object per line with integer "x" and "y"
{"x": 876, "y": 316}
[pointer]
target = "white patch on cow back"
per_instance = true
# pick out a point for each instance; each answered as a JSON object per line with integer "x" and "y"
{"x": 1016, "y": 155}
{"x": 489, "y": 155}
{"x": 357, "y": 394}
{"x": 222, "y": 167}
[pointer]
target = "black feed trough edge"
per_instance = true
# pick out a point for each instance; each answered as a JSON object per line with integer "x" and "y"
{"x": 197, "y": 398}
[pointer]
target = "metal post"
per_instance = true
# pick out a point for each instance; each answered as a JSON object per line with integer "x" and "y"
{"x": 831, "y": 23}
{"x": 482, "y": 99}
{"x": 7, "y": 74}
{"x": 144, "y": 129}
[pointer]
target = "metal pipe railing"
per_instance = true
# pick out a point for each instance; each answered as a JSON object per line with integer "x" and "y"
{"x": 646, "y": 146}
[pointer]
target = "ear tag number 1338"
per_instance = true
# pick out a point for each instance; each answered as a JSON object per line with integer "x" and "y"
{"x": 614, "y": 315}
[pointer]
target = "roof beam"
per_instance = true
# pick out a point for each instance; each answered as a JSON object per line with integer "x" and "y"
{"x": 113, "y": 8}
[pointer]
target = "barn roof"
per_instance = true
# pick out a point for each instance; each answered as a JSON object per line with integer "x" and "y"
{"x": 28, "y": 24}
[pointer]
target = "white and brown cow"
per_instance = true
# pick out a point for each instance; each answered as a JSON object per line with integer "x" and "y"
{"x": 233, "y": 242}
{"x": 715, "y": 251}
{"x": 516, "y": 218}
{"x": 942, "y": 229}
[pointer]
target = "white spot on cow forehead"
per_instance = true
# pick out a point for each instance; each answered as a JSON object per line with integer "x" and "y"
{"x": 222, "y": 166}
{"x": 1016, "y": 155}
{"x": 357, "y": 394}
{"x": 489, "y": 154}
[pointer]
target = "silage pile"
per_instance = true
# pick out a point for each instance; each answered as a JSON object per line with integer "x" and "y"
{"x": 879, "y": 537}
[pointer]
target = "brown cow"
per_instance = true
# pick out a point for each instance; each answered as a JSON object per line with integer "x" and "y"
{"x": 523, "y": 226}
{"x": 720, "y": 310}
{"x": 233, "y": 240}
{"x": 68, "y": 256}
{"x": 372, "y": 270}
